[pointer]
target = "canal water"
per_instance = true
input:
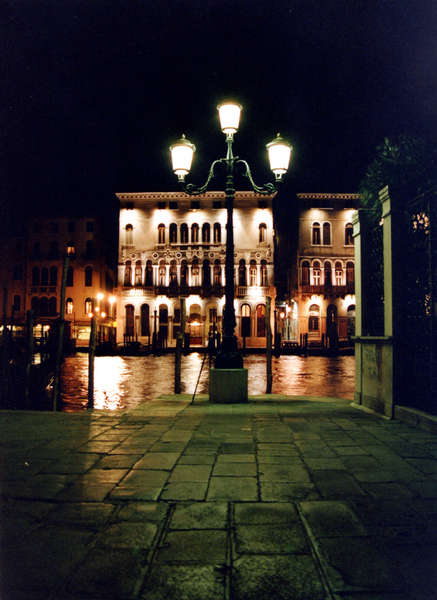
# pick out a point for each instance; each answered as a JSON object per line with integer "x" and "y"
{"x": 125, "y": 381}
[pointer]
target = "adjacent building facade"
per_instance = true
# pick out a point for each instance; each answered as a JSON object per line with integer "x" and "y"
{"x": 173, "y": 246}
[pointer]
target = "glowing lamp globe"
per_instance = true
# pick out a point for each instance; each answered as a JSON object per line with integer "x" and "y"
{"x": 279, "y": 151}
{"x": 182, "y": 153}
{"x": 229, "y": 115}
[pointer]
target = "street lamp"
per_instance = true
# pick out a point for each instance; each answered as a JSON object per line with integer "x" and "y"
{"x": 182, "y": 152}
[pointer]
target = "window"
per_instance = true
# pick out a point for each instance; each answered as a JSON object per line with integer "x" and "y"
{"x": 88, "y": 306}
{"x": 316, "y": 234}
{"x": 350, "y": 273}
{"x": 71, "y": 226}
{"x": 263, "y": 273}
{"x": 348, "y": 234}
{"x": 184, "y": 273}
{"x": 261, "y": 320}
{"x": 262, "y": 203}
{"x": 194, "y": 233}
{"x": 316, "y": 272}
{"x": 148, "y": 281}
{"x": 34, "y": 304}
{"x": 161, "y": 205}
{"x": 130, "y": 320}
{"x": 351, "y": 320}
{"x": 44, "y": 276}
{"x": 217, "y": 272}
{"x": 36, "y": 251}
{"x": 53, "y": 227}
{"x": 242, "y": 280}
{"x": 145, "y": 323}
{"x": 173, "y": 274}
{"x": 53, "y": 250}
{"x": 35, "y": 276}
{"x": 217, "y": 233}
{"x": 245, "y": 321}
{"x": 174, "y": 205}
{"x": 173, "y": 233}
{"x": 217, "y": 204}
{"x": 17, "y": 303}
{"x": 338, "y": 273}
{"x": 69, "y": 306}
{"x": 326, "y": 234}
{"x": 262, "y": 233}
{"x": 53, "y": 275}
{"x": 138, "y": 277}
{"x": 328, "y": 273}
{"x": 90, "y": 250}
{"x": 314, "y": 318}
{"x": 44, "y": 306}
{"x": 305, "y": 273}
{"x": 70, "y": 276}
{"x": 161, "y": 273}
{"x": 195, "y": 273}
{"x": 206, "y": 273}
{"x": 252, "y": 273}
{"x": 161, "y": 233}
{"x": 128, "y": 273}
{"x": 18, "y": 272}
{"x": 184, "y": 233}
{"x": 128, "y": 233}
{"x": 88, "y": 276}
{"x": 195, "y": 204}
{"x": 205, "y": 233}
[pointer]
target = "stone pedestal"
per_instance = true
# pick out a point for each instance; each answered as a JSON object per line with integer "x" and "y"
{"x": 227, "y": 386}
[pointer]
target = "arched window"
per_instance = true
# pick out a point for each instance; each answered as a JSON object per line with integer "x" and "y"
{"x": 128, "y": 273}
{"x": 161, "y": 273}
{"x": 148, "y": 278}
{"x": 205, "y": 233}
{"x": 195, "y": 272}
{"x": 128, "y": 232}
{"x": 348, "y": 234}
{"x": 53, "y": 250}
{"x": 305, "y": 273}
{"x": 35, "y": 276}
{"x": 217, "y": 272}
{"x": 316, "y": 272}
{"x": 326, "y": 234}
{"x": 314, "y": 318}
{"x": 90, "y": 249}
{"x": 263, "y": 273}
{"x": 70, "y": 276}
{"x": 194, "y": 233}
{"x": 351, "y": 320}
{"x": 328, "y": 273}
{"x": 350, "y": 273}
{"x": 34, "y": 304}
{"x": 173, "y": 273}
{"x": 88, "y": 306}
{"x": 184, "y": 233}
{"x": 138, "y": 276}
{"x": 43, "y": 306}
{"x": 184, "y": 273}
{"x": 52, "y": 306}
{"x": 44, "y": 276}
{"x": 338, "y": 273}
{"x": 217, "y": 233}
{"x": 161, "y": 233}
{"x": 145, "y": 322}
{"x": 252, "y": 273}
{"x": 261, "y": 320}
{"x": 242, "y": 279}
{"x": 130, "y": 320}
{"x": 173, "y": 233}
{"x": 245, "y": 321}
{"x": 69, "y": 306}
{"x": 53, "y": 275}
{"x": 262, "y": 233}
{"x": 315, "y": 235}
{"x": 206, "y": 273}
{"x": 88, "y": 276}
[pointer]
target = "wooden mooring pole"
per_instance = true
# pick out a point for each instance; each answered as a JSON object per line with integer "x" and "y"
{"x": 269, "y": 346}
{"x": 91, "y": 353}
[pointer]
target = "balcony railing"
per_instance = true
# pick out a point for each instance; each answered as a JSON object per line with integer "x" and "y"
{"x": 328, "y": 290}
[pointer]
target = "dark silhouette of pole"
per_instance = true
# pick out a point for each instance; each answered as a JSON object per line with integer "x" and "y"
{"x": 29, "y": 357}
{"x": 91, "y": 353}
{"x": 60, "y": 340}
{"x": 269, "y": 346}
{"x": 178, "y": 352}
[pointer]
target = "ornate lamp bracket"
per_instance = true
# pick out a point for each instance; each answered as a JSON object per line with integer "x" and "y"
{"x": 267, "y": 189}
{"x": 194, "y": 190}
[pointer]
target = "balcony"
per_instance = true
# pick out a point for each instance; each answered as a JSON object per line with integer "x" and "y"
{"x": 328, "y": 290}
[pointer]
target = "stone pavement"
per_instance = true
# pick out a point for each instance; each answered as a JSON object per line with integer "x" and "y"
{"x": 305, "y": 499}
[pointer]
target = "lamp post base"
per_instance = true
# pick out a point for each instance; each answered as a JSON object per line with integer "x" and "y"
{"x": 229, "y": 356}
{"x": 228, "y": 386}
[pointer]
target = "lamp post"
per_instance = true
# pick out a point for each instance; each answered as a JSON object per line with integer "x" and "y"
{"x": 279, "y": 152}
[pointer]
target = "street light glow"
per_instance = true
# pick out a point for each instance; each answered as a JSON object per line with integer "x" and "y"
{"x": 182, "y": 153}
{"x": 229, "y": 114}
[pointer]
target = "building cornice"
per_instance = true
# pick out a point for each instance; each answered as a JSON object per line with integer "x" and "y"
{"x": 179, "y": 196}
{"x": 327, "y": 196}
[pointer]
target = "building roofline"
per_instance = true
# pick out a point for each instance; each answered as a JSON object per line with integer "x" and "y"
{"x": 154, "y": 196}
{"x": 327, "y": 196}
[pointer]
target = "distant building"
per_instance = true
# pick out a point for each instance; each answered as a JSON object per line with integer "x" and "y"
{"x": 172, "y": 245}
{"x": 321, "y": 303}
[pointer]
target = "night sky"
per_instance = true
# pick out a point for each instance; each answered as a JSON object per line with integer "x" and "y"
{"x": 94, "y": 91}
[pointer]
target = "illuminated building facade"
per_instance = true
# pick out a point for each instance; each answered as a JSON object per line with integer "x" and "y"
{"x": 321, "y": 307}
{"x": 172, "y": 246}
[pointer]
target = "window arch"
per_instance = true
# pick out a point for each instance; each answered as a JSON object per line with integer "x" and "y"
{"x": 263, "y": 273}
{"x": 261, "y": 320}
{"x": 161, "y": 233}
{"x": 184, "y": 233}
{"x": 316, "y": 272}
{"x": 35, "y": 276}
{"x": 138, "y": 275}
{"x": 195, "y": 272}
{"x": 305, "y": 273}
{"x": 350, "y": 273}
{"x": 326, "y": 234}
{"x": 130, "y": 319}
{"x": 194, "y": 233}
{"x": 252, "y": 272}
{"x": 173, "y": 233}
{"x": 184, "y": 273}
{"x": 52, "y": 306}
{"x": 242, "y": 279}
{"x": 148, "y": 277}
{"x": 262, "y": 233}
{"x": 128, "y": 232}
{"x": 245, "y": 321}
{"x": 327, "y": 268}
{"x": 217, "y": 272}
{"x": 53, "y": 275}
{"x": 173, "y": 273}
{"x": 145, "y": 321}
{"x": 217, "y": 233}
{"x": 70, "y": 277}
{"x": 206, "y": 273}
{"x": 314, "y": 318}
{"x": 69, "y": 306}
{"x": 44, "y": 276}
{"x": 348, "y": 234}
{"x": 315, "y": 234}
{"x": 338, "y": 273}
{"x": 206, "y": 233}
{"x": 161, "y": 273}
{"x": 128, "y": 273}
{"x": 351, "y": 320}
{"x": 88, "y": 306}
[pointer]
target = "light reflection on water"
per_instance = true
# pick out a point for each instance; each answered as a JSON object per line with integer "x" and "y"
{"x": 125, "y": 381}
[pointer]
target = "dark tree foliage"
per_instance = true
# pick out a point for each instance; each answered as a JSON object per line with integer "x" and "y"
{"x": 406, "y": 163}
